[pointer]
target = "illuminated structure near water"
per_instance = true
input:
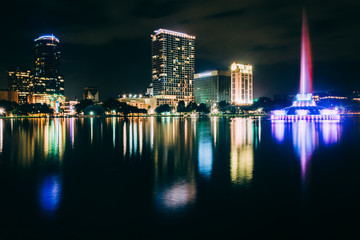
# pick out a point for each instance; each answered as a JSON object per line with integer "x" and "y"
{"x": 304, "y": 107}
{"x": 212, "y": 87}
{"x": 241, "y": 84}
{"x": 47, "y": 79}
{"x": 173, "y": 66}
{"x": 20, "y": 80}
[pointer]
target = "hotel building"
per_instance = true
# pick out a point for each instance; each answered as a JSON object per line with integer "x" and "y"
{"x": 212, "y": 87}
{"x": 173, "y": 66}
{"x": 241, "y": 84}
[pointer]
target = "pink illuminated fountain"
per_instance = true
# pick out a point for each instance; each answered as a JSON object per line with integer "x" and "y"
{"x": 304, "y": 107}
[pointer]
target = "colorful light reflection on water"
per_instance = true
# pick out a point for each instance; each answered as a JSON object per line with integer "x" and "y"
{"x": 307, "y": 137}
{"x": 50, "y": 194}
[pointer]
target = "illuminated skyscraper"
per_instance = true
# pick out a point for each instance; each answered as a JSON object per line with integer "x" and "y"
{"x": 46, "y": 66}
{"x": 173, "y": 66}
{"x": 20, "y": 80}
{"x": 241, "y": 84}
{"x": 212, "y": 87}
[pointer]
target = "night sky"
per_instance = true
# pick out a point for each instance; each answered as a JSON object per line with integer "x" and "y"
{"x": 107, "y": 43}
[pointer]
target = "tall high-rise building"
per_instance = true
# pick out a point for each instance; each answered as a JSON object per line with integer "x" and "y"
{"x": 47, "y": 79}
{"x": 241, "y": 84}
{"x": 20, "y": 80}
{"x": 212, "y": 87}
{"x": 173, "y": 66}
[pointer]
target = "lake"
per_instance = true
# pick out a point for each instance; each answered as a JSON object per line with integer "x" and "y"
{"x": 176, "y": 178}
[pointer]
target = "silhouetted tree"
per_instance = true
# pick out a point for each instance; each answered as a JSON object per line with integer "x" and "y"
{"x": 163, "y": 108}
{"x": 83, "y": 104}
{"x": 202, "y": 108}
{"x": 181, "y": 106}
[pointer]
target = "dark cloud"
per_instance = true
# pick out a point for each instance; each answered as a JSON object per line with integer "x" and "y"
{"x": 107, "y": 43}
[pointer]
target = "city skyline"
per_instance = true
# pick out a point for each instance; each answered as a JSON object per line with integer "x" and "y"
{"x": 91, "y": 58}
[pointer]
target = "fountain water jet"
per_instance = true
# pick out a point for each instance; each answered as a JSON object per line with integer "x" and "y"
{"x": 304, "y": 107}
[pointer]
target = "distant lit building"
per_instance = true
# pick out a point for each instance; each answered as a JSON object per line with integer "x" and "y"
{"x": 91, "y": 93}
{"x": 148, "y": 103}
{"x": 19, "y": 80}
{"x": 68, "y": 108}
{"x": 47, "y": 79}
{"x": 173, "y": 66}
{"x": 9, "y": 95}
{"x": 53, "y": 100}
{"x": 212, "y": 87}
{"x": 241, "y": 84}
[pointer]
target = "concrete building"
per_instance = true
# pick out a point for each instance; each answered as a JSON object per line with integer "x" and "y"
{"x": 212, "y": 87}
{"x": 173, "y": 66}
{"x": 242, "y": 84}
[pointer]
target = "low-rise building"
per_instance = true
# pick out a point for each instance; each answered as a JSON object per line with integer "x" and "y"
{"x": 148, "y": 103}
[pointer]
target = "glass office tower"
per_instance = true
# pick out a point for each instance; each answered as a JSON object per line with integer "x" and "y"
{"x": 212, "y": 87}
{"x": 46, "y": 66}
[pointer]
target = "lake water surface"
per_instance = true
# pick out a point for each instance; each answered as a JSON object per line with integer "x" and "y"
{"x": 176, "y": 178}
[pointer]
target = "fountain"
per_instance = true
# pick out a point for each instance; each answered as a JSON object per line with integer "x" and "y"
{"x": 304, "y": 107}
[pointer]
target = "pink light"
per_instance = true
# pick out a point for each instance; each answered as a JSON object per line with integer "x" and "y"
{"x": 306, "y": 66}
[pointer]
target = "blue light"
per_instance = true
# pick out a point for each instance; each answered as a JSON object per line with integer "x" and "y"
{"x": 50, "y": 194}
{"x": 47, "y": 37}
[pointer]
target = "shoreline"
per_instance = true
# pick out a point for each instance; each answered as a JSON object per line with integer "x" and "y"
{"x": 160, "y": 116}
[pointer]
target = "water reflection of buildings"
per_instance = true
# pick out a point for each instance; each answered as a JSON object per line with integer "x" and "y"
{"x": 172, "y": 145}
{"x": 244, "y": 135}
{"x": 1, "y": 137}
{"x": 205, "y": 150}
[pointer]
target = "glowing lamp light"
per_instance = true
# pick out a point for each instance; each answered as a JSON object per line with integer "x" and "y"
{"x": 328, "y": 112}
{"x": 91, "y": 113}
{"x": 279, "y": 112}
{"x": 302, "y": 112}
{"x": 233, "y": 66}
{"x": 2, "y": 110}
{"x": 304, "y": 97}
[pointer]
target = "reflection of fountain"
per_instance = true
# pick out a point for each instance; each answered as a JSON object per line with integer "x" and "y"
{"x": 306, "y": 137}
{"x": 305, "y": 141}
{"x": 50, "y": 194}
{"x": 304, "y": 107}
{"x": 243, "y": 138}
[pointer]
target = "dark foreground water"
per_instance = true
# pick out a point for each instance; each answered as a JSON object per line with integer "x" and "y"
{"x": 175, "y": 178}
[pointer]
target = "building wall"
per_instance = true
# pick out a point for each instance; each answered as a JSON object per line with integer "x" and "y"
{"x": 173, "y": 66}
{"x": 241, "y": 84}
{"x": 47, "y": 79}
{"x": 212, "y": 87}
{"x": 20, "y": 80}
{"x": 9, "y": 95}
{"x": 144, "y": 103}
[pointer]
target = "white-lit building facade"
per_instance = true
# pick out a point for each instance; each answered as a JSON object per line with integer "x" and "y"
{"x": 242, "y": 89}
